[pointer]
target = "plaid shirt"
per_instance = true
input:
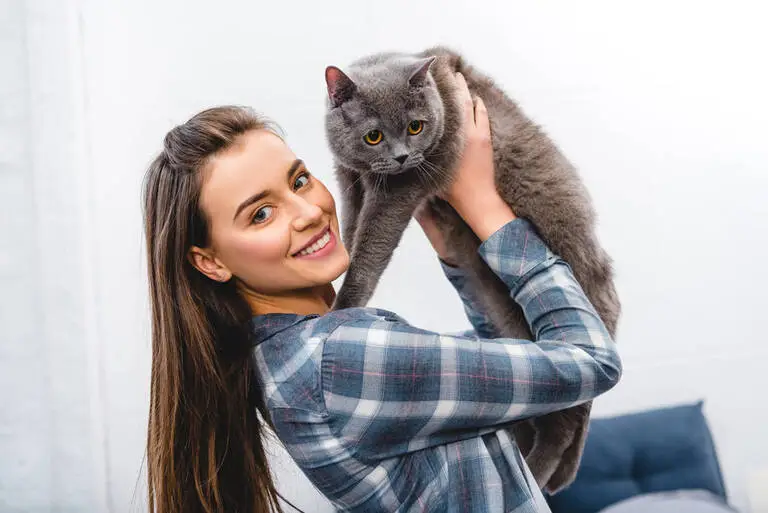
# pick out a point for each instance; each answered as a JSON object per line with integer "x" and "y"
{"x": 382, "y": 416}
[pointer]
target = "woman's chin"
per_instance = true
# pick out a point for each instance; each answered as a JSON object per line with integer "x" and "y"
{"x": 326, "y": 272}
{"x": 338, "y": 268}
{"x": 336, "y": 264}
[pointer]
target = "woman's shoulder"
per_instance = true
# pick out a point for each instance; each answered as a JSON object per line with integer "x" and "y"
{"x": 289, "y": 351}
{"x": 299, "y": 328}
{"x": 357, "y": 318}
{"x": 361, "y": 314}
{"x": 280, "y": 339}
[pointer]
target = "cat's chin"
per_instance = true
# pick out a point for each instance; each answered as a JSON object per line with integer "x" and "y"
{"x": 396, "y": 171}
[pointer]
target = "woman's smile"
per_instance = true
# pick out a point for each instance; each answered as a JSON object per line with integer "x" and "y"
{"x": 318, "y": 246}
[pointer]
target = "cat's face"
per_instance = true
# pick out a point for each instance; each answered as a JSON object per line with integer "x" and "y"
{"x": 384, "y": 115}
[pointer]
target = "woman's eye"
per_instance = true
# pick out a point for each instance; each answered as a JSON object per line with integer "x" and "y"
{"x": 301, "y": 181}
{"x": 415, "y": 127}
{"x": 373, "y": 137}
{"x": 262, "y": 214}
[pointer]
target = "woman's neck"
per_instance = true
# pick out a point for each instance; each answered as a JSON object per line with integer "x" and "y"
{"x": 316, "y": 300}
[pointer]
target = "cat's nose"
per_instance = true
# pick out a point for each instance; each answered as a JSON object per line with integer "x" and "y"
{"x": 401, "y": 158}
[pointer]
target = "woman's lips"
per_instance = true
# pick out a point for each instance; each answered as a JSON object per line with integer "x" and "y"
{"x": 324, "y": 251}
{"x": 312, "y": 240}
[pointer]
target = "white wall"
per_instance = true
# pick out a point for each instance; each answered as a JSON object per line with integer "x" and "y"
{"x": 661, "y": 105}
{"x": 52, "y": 452}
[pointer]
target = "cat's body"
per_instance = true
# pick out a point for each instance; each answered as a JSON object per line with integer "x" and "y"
{"x": 383, "y": 185}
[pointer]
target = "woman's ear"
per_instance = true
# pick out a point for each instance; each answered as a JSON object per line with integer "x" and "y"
{"x": 204, "y": 261}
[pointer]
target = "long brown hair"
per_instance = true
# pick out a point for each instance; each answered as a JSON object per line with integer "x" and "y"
{"x": 205, "y": 443}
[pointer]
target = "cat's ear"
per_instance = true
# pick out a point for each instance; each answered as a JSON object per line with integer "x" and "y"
{"x": 420, "y": 70}
{"x": 340, "y": 86}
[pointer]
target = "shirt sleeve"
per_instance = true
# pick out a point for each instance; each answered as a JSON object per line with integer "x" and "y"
{"x": 481, "y": 324}
{"x": 392, "y": 388}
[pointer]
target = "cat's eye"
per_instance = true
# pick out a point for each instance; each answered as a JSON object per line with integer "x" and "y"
{"x": 373, "y": 137}
{"x": 301, "y": 181}
{"x": 415, "y": 127}
{"x": 263, "y": 214}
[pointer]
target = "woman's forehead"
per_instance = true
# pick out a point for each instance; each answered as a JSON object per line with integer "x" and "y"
{"x": 258, "y": 160}
{"x": 255, "y": 152}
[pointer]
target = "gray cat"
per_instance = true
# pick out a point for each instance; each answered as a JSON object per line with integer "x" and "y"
{"x": 393, "y": 126}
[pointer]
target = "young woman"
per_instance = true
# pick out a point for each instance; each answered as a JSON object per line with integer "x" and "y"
{"x": 243, "y": 243}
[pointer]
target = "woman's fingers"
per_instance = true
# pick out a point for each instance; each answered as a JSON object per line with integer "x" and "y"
{"x": 465, "y": 100}
{"x": 481, "y": 118}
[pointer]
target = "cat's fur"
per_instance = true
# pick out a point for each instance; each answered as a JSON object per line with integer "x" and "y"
{"x": 379, "y": 195}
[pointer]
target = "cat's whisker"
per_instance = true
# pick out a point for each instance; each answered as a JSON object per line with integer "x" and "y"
{"x": 433, "y": 184}
{"x": 385, "y": 183}
{"x": 421, "y": 178}
{"x": 433, "y": 168}
{"x": 439, "y": 154}
{"x": 359, "y": 177}
{"x": 379, "y": 184}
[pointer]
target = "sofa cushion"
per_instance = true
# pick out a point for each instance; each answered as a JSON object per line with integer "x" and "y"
{"x": 652, "y": 451}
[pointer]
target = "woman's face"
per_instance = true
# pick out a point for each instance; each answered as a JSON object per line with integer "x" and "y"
{"x": 272, "y": 225}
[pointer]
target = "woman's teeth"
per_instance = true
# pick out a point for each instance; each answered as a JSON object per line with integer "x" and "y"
{"x": 320, "y": 244}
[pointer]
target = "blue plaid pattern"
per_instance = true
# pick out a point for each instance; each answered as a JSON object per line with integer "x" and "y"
{"x": 383, "y": 416}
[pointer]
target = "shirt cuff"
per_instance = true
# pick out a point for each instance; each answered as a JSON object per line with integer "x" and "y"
{"x": 514, "y": 250}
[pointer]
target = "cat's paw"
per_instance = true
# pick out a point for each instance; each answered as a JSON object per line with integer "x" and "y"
{"x": 565, "y": 472}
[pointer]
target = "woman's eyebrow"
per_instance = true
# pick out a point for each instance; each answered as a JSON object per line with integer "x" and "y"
{"x": 296, "y": 165}
{"x": 263, "y": 194}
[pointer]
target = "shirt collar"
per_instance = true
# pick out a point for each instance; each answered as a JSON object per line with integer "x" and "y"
{"x": 267, "y": 325}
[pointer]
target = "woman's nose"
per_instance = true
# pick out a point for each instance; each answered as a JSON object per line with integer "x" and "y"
{"x": 307, "y": 213}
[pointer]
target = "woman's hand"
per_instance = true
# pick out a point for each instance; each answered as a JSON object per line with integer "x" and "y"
{"x": 473, "y": 192}
{"x": 426, "y": 219}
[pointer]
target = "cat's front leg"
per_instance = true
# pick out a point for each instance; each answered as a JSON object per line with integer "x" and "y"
{"x": 380, "y": 228}
{"x": 352, "y": 197}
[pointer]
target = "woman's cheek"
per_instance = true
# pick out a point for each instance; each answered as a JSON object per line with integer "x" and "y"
{"x": 324, "y": 198}
{"x": 268, "y": 245}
